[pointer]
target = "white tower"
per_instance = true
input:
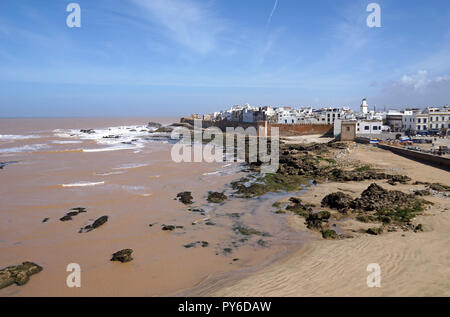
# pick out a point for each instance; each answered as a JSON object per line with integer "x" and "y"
{"x": 364, "y": 106}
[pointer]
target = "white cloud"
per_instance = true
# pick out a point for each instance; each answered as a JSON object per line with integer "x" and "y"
{"x": 188, "y": 22}
{"x": 417, "y": 89}
{"x": 421, "y": 82}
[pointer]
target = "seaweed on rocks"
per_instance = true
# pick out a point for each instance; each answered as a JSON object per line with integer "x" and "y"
{"x": 97, "y": 223}
{"x": 216, "y": 197}
{"x": 185, "y": 197}
{"x": 123, "y": 256}
{"x": 73, "y": 212}
{"x": 19, "y": 274}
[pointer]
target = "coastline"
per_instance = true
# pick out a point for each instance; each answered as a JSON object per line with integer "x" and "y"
{"x": 412, "y": 264}
{"x": 278, "y": 256}
{"x": 135, "y": 188}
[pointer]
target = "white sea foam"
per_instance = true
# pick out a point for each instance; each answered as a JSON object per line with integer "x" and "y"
{"x": 113, "y": 138}
{"x": 83, "y": 184}
{"x": 212, "y": 173}
{"x": 24, "y": 148}
{"x": 108, "y": 149}
{"x": 108, "y": 173}
{"x": 66, "y": 142}
{"x": 13, "y": 137}
{"x": 129, "y": 166}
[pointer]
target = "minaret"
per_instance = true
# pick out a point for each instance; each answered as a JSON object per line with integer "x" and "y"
{"x": 364, "y": 107}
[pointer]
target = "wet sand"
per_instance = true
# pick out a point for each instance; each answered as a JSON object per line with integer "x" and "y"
{"x": 412, "y": 264}
{"x": 135, "y": 187}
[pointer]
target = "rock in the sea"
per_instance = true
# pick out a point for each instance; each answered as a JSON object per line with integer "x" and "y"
{"x": 216, "y": 197}
{"x": 154, "y": 125}
{"x": 87, "y": 131}
{"x": 45, "y": 220}
{"x": 97, "y": 223}
{"x": 122, "y": 256}
{"x": 100, "y": 221}
{"x": 185, "y": 197}
{"x": 164, "y": 130}
{"x": 74, "y": 211}
{"x": 203, "y": 244}
{"x": 182, "y": 125}
{"x": 168, "y": 228}
{"x": 66, "y": 218}
{"x": 3, "y": 164}
{"x": 19, "y": 274}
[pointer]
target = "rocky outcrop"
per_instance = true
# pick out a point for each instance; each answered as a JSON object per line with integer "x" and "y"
{"x": 318, "y": 221}
{"x": 376, "y": 198}
{"x": 183, "y": 125}
{"x": 311, "y": 161}
{"x": 377, "y": 204}
{"x": 203, "y": 244}
{"x": 185, "y": 197}
{"x": 154, "y": 125}
{"x": 164, "y": 130}
{"x": 298, "y": 207}
{"x": 74, "y": 212}
{"x": 97, "y": 223}
{"x": 87, "y": 131}
{"x": 216, "y": 197}
{"x": 170, "y": 227}
{"x": 338, "y": 200}
{"x": 3, "y": 164}
{"x": 123, "y": 256}
{"x": 19, "y": 274}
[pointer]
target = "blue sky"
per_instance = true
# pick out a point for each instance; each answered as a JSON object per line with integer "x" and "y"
{"x": 175, "y": 57}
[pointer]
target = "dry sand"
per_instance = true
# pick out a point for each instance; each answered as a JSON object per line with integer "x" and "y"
{"x": 412, "y": 264}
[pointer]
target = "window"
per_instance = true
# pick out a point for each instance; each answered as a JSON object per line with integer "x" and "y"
{"x": 348, "y": 129}
{"x": 366, "y": 127}
{"x": 418, "y": 120}
{"x": 375, "y": 128}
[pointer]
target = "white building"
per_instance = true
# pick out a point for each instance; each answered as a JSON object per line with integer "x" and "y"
{"x": 421, "y": 122}
{"x": 409, "y": 123}
{"x": 369, "y": 127}
{"x": 364, "y": 107}
{"x": 438, "y": 118}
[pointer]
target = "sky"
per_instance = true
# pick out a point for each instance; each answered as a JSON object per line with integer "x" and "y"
{"x": 177, "y": 57}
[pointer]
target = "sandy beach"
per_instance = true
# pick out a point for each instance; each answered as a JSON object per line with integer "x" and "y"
{"x": 412, "y": 264}
{"x": 240, "y": 247}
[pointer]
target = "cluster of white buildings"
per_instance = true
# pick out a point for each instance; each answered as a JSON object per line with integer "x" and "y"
{"x": 430, "y": 119}
{"x": 367, "y": 121}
